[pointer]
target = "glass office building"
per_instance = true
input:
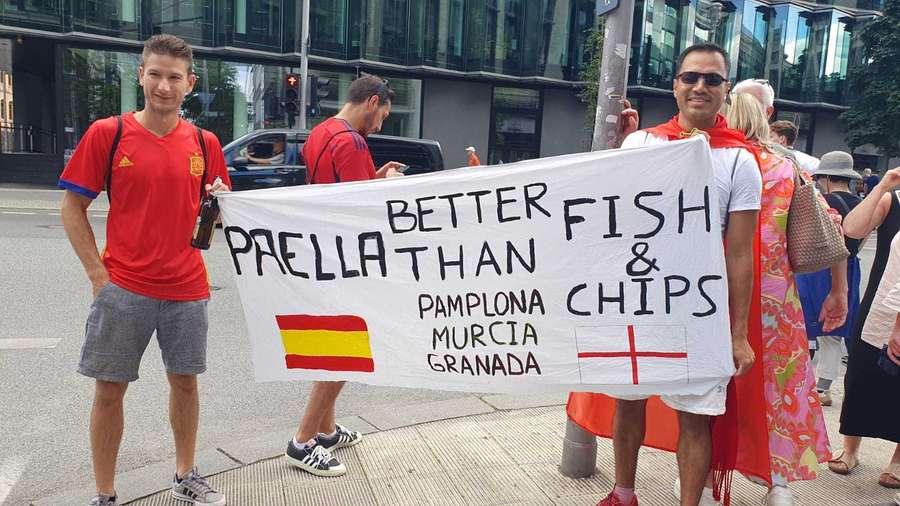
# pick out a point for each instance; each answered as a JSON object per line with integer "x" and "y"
{"x": 502, "y": 75}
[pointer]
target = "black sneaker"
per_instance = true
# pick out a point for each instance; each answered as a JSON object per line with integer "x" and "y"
{"x": 103, "y": 500}
{"x": 313, "y": 458}
{"x": 194, "y": 489}
{"x": 342, "y": 438}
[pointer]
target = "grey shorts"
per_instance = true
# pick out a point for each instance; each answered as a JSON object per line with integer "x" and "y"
{"x": 120, "y": 325}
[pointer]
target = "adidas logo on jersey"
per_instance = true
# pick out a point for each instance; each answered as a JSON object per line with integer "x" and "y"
{"x": 125, "y": 162}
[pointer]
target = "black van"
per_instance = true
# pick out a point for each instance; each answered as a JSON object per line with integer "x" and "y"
{"x": 288, "y": 168}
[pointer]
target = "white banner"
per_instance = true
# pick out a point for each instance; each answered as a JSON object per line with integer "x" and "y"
{"x": 588, "y": 272}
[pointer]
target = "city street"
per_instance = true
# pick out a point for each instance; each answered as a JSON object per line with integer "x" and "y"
{"x": 44, "y": 296}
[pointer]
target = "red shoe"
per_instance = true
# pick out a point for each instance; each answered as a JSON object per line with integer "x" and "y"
{"x": 613, "y": 500}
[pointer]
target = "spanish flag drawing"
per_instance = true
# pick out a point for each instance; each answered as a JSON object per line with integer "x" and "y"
{"x": 330, "y": 343}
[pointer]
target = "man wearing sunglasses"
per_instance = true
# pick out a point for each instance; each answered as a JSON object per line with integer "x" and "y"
{"x": 700, "y": 88}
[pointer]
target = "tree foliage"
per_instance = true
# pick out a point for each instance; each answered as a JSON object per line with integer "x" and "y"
{"x": 874, "y": 115}
{"x": 590, "y": 73}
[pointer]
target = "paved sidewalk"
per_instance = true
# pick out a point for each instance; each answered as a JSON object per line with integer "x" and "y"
{"x": 501, "y": 457}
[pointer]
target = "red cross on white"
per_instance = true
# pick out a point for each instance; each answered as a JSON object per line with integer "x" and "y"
{"x": 612, "y": 355}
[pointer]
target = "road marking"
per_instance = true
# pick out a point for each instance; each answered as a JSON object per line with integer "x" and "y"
{"x": 54, "y": 214}
{"x": 15, "y": 212}
{"x": 27, "y": 344}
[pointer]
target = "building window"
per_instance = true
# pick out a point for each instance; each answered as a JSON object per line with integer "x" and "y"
{"x": 2, "y": 109}
{"x": 386, "y": 30}
{"x": 515, "y": 125}
{"x": 192, "y": 20}
{"x": 328, "y": 28}
{"x": 504, "y": 24}
{"x": 115, "y": 18}
{"x": 754, "y": 32}
{"x": 257, "y": 24}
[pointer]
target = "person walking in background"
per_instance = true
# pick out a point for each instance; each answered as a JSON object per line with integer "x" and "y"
{"x": 871, "y": 406}
{"x": 474, "y": 161}
{"x": 155, "y": 166}
{"x": 785, "y": 133}
{"x": 797, "y": 438}
{"x": 834, "y": 176}
{"x": 871, "y": 180}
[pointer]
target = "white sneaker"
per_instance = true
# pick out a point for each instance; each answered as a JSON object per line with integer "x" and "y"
{"x": 706, "y": 498}
{"x": 780, "y": 496}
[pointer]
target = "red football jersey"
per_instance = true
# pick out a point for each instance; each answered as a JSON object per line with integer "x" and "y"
{"x": 336, "y": 153}
{"x": 155, "y": 199}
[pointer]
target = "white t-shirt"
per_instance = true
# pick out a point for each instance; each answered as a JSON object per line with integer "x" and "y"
{"x": 806, "y": 162}
{"x": 886, "y": 304}
{"x": 743, "y": 184}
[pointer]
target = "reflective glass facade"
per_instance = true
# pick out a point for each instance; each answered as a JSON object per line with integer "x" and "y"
{"x": 805, "y": 53}
{"x": 522, "y": 38}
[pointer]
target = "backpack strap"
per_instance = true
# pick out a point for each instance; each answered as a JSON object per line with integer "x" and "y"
{"x": 202, "y": 142}
{"x": 112, "y": 154}
{"x": 312, "y": 178}
{"x": 843, "y": 202}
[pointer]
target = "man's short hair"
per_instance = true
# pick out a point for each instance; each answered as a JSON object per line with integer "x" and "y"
{"x": 367, "y": 87}
{"x": 706, "y": 47}
{"x": 786, "y": 129}
{"x": 768, "y": 94}
{"x": 168, "y": 45}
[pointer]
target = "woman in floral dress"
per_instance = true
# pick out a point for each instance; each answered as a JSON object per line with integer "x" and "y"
{"x": 798, "y": 440}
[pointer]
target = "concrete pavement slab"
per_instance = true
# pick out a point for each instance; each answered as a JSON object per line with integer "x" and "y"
{"x": 392, "y": 417}
{"x": 481, "y": 460}
{"x": 510, "y": 401}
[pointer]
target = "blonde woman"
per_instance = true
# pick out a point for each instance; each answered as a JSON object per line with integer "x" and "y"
{"x": 798, "y": 440}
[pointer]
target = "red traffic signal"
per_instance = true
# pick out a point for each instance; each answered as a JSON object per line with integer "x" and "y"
{"x": 292, "y": 81}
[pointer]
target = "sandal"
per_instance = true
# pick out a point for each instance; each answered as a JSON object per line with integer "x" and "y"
{"x": 842, "y": 465}
{"x": 890, "y": 478}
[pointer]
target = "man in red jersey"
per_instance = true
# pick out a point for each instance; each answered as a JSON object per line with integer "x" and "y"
{"x": 155, "y": 168}
{"x": 336, "y": 152}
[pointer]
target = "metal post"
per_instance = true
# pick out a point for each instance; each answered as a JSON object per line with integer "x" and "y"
{"x": 304, "y": 64}
{"x": 613, "y": 75}
{"x": 579, "y": 455}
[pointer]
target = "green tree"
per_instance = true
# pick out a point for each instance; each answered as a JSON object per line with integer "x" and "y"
{"x": 590, "y": 74}
{"x": 874, "y": 115}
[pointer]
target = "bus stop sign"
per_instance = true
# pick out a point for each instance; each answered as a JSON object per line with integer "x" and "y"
{"x": 606, "y": 6}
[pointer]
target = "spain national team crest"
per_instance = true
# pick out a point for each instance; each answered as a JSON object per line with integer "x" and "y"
{"x": 196, "y": 164}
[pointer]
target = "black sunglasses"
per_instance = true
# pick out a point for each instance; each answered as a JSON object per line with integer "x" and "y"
{"x": 711, "y": 79}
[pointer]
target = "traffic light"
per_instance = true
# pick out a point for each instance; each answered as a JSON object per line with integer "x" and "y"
{"x": 318, "y": 89}
{"x": 291, "y": 102}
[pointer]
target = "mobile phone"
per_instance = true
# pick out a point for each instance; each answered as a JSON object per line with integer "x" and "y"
{"x": 886, "y": 364}
{"x": 401, "y": 168}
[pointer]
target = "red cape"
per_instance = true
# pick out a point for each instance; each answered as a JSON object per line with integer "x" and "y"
{"x": 741, "y": 435}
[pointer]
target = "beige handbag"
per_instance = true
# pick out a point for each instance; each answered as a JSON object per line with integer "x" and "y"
{"x": 814, "y": 241}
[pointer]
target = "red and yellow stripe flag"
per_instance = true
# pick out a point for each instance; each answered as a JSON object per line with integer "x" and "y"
{"x": 331, "y": 343}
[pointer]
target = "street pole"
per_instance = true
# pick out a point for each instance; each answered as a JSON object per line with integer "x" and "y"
{"x": 304, "y": 64}
{"x": 579, "y": 455}
{"x": 613, "y": 75}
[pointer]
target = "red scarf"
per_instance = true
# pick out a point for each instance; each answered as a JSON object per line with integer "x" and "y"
{"x": 720, "y": 136}
{"x": 740, "y": 437}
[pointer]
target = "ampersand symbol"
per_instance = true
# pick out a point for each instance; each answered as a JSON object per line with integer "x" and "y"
{"x": 639, "y": 250}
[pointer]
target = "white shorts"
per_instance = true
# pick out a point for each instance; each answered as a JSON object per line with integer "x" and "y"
{"x": 711, "y": 403}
